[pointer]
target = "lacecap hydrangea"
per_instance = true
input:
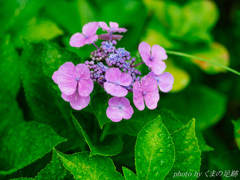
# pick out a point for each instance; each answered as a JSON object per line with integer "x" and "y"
{"x": 114, "y": 69}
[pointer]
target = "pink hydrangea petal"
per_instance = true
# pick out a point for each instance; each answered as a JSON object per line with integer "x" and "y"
{"x": 69, "y": 98}
{"x": 83, "y": 71}
{"x": 90, "y": 29}
{"x": 114, "y": 114}
{"x": 144, "y": 50}
{"x": 165, "y": 83}
{"x": 77, "y": 40}
{"x": 80, "y": 102}
{"x": 127, "y": 112}
{"x": 120, "y": 30}
{"x": 85, "y": 87}
{"x": 114, "y": 101}
{"x": 106, "y": 37}
{"x": 54, "y": 77}
{"x": 125, "y": 79}
{"x": 113, "y": 75}
{"x": 152, "y": 74}
{"x": 139, "y": 103}
{"x": 103, "y": 25}
{"x": 113, "y": 25}
{"x": 137, "y": 90}
{"x": 67, "y": 78}
{"x": 158, "y": 67}
{"x": 148, "y": 83}
{"x": 158, "y": 52}
{"x": 151, "y": 99}
{"x": 91, "y": 39}
{"x": 115, "y": 90}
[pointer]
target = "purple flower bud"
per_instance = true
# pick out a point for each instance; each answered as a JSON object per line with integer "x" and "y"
{"x": 86, "y": 62}
{"x": 114, "y": 42}
{"x": 133, "y": 59}
{"x": 99, "y": 54}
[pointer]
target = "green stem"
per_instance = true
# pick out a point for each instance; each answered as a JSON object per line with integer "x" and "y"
{"x": 201, "y": 59}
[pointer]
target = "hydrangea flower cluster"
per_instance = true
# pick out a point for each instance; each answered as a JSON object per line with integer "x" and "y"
{"x": 114, "y": 69}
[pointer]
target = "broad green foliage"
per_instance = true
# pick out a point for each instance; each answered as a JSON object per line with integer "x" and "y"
{"x": 84, "y": 167}
{"x": 154, "y": 151}
{"x": 202, "y": 143}
{"x": 66, "y": 20}
{"x": 14, "y": 12}
{"x": 171, "y": 16}
{"x": 208, "y": 110}
{"x": 9, "y": 64}
{"x": 187, "y": 152}
{"x": 53, "y": 57}
{"x": 216, "y": 53}
{"x": 99, "y": 104}
{"x": 54, "y": 170}
{"x": 40, "y": 96}
{"x": 128, "y": 174}
{"x": 9, "y": 116}
{"x": 112, "y": 145}
{"x": 25, "y": 144}
{"x": 37, "y": 30}
{"x": 172, "y": 124}
{"x": 48, "y": 107}
{"x": 23, "y": 178}
{"x": 237, "y": 131}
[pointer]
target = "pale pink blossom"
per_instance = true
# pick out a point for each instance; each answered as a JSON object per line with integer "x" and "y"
{"x": 119, "y": 108}
{"x": 116, "y": 82}
{"x": 114, "y": 27}
{"x": 165, "y": 81}
{"x": 153, "y": 57}
{"x": 146, "y": 91}
{"x": 88, "y": 35}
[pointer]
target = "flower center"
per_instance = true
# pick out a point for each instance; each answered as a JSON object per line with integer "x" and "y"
{"x": 117, "y": 83}
{"x": 120, "y": 107}
{"x": 86, "y": 36}
{"x": 151, "y": 58}
{"x": 144, "y": 93}
{"x": 77, "y": 78}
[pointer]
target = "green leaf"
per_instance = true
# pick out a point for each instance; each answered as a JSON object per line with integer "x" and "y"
{"x": 25, "y": 144}
{"x": 236, "y": 125}
{"x": 128, "y": 174}
{"x": 43, "y": 100}
{"x": 111, "y": 146}
{"x": 36, "y": 30}
{"x": 208, "y": 110}
{"x": 13, "y": 12}
{"x": 54, "y": 170}
{"x": 10, "y": 116}
{"x": 65, "y": 20}
{"x": 187, "y": 152}
{"x": 172, "y": 124}
{"x": 23, "y": 178}
{"x": 99, "y": 104}
{"x": 202, "y": 143}
{"x": 9, "y": 63}
{"x": 154, "y": 151}
{"x": 84, "y": 167}
{"x": 215, "y": 53}
{"x": 54, "y": 56}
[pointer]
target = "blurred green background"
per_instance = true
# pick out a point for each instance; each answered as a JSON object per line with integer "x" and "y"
{"x": 204, "y": 28}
